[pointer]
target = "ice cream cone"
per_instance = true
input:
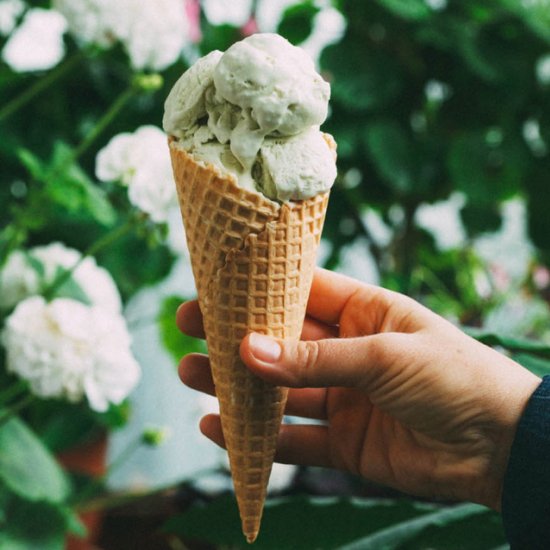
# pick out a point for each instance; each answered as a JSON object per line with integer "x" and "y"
{"x": 253, "y": 263}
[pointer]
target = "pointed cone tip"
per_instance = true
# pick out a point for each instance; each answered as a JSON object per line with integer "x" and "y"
{"x": 251, "y": 537}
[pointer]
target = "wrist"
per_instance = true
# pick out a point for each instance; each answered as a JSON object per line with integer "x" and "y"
{"x": 514, "y": 402}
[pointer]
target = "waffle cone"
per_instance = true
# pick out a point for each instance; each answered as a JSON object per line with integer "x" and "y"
{"x": 253, "y": 263}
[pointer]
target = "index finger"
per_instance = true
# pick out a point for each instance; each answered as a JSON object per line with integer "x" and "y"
{"x": 329, "y": 294}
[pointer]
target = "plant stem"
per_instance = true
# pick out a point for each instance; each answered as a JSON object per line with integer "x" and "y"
{"x": 92, "y": 250}
{"x": 12, "y": 391}
{"x": 21, "y": 100}
{"x": 14, "y": 409}
{"x": 117, "y": 106}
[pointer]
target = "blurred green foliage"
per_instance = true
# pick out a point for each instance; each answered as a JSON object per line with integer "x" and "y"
{"x": 428, "y": 98}
{"x": 426, "y": 102}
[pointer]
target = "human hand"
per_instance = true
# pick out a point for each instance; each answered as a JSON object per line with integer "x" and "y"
{"x": 407, "y": 399}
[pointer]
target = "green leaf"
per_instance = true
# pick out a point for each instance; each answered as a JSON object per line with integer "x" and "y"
{"x": 537, "y": 365}
{"x": 218, "y": 37}
{"x": 538, "y": 201}
{"x": 32, "y": 525}
{"x": 395, "y": 536}
{"x": 70, "y": 288}
{"x": 297, "y": 22}
{"x": 535, "y": 14}
{"x": 481, "y": 217}
{"x": 347, "y": 129}
{"x": 175, "y": 342}
{"x": 362, "y": 79}
{"x": 509, "y": 342}
{"x": 121, "y": 259}
{"x": 36, "y": 264}
{"x": 392, "y": 154}
{"x": 69, "y": 186}
{"x": 460, "y": 37}
{"x": 61, "y": 425}
{"x": 32, "y": 163}
{"x": 408, "y": 9}
{"x": 27, "y": 467}
{"x": 486, "y": 166}
{"x": 301, "y": 523}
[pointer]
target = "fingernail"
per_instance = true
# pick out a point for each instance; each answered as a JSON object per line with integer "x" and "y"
{"x": 264, "y": 348}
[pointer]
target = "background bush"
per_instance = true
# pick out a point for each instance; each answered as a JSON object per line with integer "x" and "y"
{"x": 440, "y": 108}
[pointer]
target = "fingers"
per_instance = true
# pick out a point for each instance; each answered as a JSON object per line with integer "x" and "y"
{"x": 351, "y": 362}
{"x": 210, "y": 425}
{"x": 329, "y": 294}
{"x": 315, "y": 330}
{"x": 305, "y": 445}
{"x": 189, "y": 319}
{"x": 194, "y": 371}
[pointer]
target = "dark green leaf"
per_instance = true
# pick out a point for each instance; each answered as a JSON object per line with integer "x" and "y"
{"x": 123, "y": 260}
{"x": 218, "y": 37}
{"x": 27, "y": 467}
{"x": 32, "y": 525}
{"x": 537, "y": 365}
{"x": 509, "y": 342}
{"x": 392, "y": 154}
{"x": 395, "y": 536}
{"x": 457, "y": 36}
{"x": 362, "y": 79}
{"x": 32, "y": 163}
{"x": 62, "y": 425}
{"x": 486, "y": 171}
{"x": 299, "y": 523}
{"x": 175, "y": 342}
{"x": 36, "y": 264}
{"x": 297, "y": 22}
{"x": 538, "y": 201}
{"x": 347, "y": 131}
{"x": 457, "y": 534}
{"x": 69, "y": 288}
{"x": 69, "y": 186}
{"x": 407, "y": 9}
{"x": 535, "y": 14}
{"x": 480, "y": 217}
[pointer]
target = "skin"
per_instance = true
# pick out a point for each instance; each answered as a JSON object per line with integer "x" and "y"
{"x": 406, "y": 399}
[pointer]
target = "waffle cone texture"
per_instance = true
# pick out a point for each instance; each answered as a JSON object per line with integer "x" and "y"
{"x": 253, "y": 262}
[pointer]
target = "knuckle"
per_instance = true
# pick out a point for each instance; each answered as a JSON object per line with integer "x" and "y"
{"x": 307, "y": 358}
{"x": 377, "y": 350}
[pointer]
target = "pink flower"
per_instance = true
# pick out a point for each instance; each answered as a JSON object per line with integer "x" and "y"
{"x": 193, "y": 13}
{"x": 541, "y": 277}
{"x": 250, "y": 27}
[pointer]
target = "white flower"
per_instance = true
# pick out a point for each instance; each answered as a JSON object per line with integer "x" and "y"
{"x": 442, "y": 220}
{"x": 68, "y": 349}
{"x": 156, "y": 33}
{"x": 10, "y": 11}
{"x": 37, "y": 44}
{"x": 20, "y": 278}
{"x": 520, "y": 314}
{"x": 96, "y": 22}
{"x": 220, "y": 12}
{"x": 142, "y": 162}
{"x": 508, "y": 251}
{"x": 153, "y": 33}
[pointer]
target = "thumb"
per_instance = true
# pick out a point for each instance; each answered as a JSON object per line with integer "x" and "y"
{"x": 318, "y": 363}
